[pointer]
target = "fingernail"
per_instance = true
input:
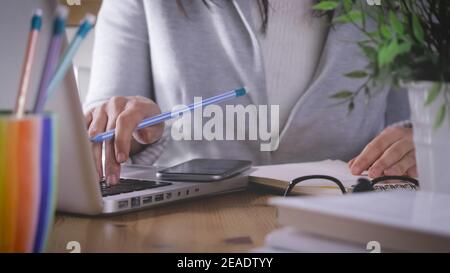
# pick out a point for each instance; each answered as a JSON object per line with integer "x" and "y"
{"x": 374, "y": 172}
{"x": 350, "y": 163}
{"x": 356, "y": 170}
{"x": 121, "y": 158}
{"x": 112, "y": 179}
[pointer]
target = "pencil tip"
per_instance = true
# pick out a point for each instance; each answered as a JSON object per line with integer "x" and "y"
{"x": 38, "y": 12}
{"x": 90, "y": 18}
{"x": 62, "y": 11}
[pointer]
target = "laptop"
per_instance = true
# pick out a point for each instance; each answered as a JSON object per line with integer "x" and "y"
{"x": 79, "y": 190}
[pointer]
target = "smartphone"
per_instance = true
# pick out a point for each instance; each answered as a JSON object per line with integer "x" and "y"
{"x": 204, "y": 170}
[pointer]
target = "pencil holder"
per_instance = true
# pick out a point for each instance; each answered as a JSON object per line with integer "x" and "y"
{"x": 28, "y": 150}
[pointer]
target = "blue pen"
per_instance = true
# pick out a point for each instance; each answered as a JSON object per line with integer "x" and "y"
{"x": 66, "y": 61}
{"x": 170, "y": 115}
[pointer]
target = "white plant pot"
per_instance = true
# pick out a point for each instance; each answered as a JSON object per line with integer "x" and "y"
{"x": 432, "y": 145}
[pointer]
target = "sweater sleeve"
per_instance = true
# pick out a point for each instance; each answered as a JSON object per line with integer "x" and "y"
{"x": 121, "y": 62}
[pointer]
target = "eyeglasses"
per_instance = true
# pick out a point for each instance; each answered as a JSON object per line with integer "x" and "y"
{"x": 363, "y": 184}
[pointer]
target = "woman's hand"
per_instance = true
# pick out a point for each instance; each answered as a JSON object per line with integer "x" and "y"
{"x": 122, "y": 114}
{"x": 390, "y": 153}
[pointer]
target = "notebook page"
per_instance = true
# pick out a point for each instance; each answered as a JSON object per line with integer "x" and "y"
{"x": 288, "y": 172}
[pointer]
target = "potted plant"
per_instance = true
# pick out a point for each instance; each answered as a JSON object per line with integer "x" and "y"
{"x": 407, "y": 44}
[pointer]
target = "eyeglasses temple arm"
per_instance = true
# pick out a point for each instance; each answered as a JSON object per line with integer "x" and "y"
{"x": 308, "y": 177}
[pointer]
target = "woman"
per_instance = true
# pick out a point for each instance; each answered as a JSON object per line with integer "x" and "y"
{"x": 151, "y": 55}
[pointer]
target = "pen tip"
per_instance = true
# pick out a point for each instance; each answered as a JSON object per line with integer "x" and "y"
{"x": 62, "y": 11}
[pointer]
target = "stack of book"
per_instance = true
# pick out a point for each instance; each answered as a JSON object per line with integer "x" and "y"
{"x": 402, "y": 221}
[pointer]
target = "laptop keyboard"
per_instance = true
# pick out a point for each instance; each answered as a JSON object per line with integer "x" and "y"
{"x": 130, "y": 185}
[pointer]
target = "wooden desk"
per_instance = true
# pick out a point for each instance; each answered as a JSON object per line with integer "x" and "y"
{"x": 235, "y": 222}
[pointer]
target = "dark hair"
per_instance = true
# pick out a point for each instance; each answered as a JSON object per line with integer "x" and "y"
{"x": 263, "y": 7}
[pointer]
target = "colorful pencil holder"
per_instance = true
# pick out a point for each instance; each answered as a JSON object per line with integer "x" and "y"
{"x": 28, "y": 173}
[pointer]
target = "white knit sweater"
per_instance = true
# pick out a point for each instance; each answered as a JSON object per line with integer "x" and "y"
{"x": 291, "y": 49}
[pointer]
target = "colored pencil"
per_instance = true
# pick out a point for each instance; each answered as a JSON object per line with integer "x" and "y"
{"x": 69, "y": 54}
{"x": 53, "y": 55}
{"x": 36, "y": 24}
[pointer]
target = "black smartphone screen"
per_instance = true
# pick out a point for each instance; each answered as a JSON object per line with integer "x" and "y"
{"x": 205, "y": 169}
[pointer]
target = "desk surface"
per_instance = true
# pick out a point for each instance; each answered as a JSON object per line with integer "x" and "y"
{"x": 234, "y": 222}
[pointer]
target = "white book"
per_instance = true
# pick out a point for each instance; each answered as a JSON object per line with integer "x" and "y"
{"x": 290, "y": 239}
{"x": 405, "y": 221}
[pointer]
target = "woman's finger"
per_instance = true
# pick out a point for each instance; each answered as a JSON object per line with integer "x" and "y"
{"x": 412, "y": 172}
{"x": 112, "y": 167}
{"x": 88, "y": 118}
{"x": 126, "y": 123}
{"x": 97, "y": 126}
{"x": 350, "y": 163}
{"x": 150, "y": 134}
{"x": 375, "y": 149}
{"x": 394, "y": 154}
{"x": 403, "y": 165}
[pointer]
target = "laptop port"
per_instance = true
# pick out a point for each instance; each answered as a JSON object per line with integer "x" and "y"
{"x": 147, "y": 200}
{"x": 159, "y": 197}
{"x": 187, "y": 192}
{"x": 135, "y": 202}
{"x": 168, "y": 195}
{"x": 197, "y": 189}
{"x": 123, "y": 204}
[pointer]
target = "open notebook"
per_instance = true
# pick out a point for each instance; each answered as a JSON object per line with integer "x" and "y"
{"x": 279, "y": 176}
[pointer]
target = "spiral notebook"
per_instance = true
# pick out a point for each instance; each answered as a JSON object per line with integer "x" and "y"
{"x": 279, "y": 177}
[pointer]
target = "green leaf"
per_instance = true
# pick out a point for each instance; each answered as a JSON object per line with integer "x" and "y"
{"x": 440, "y": 116}
{"x": 418, "y": 29}
{"x": 374, "y": 34}
{"x": 370, "y": 52}
{"x": 344, "y": 94}
{"x": 342, "y": 19}
{"x": 358, "y": 74}
{"x": 382, "y": 56}
{"x": 396, "y": 23}
{"x": 348, "y": 5}
{"x": 388, "y": 53}
{"x": 386, "y": 32}
{"x": 404, "y": 48}
{"x": 354, "y": 16}
{"x": 325, "y": 5}
{"x": 434, "y": 92}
